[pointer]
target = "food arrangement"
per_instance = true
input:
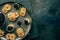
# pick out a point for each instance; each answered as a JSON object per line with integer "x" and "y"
{"x": 6, "y": 8}
{"x": 16, "y": 21}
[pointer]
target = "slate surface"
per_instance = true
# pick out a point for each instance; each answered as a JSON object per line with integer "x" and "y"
{"x": 47, "y": 16}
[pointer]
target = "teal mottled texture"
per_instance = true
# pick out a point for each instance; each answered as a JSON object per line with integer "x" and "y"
{"x": 47, "y": 18}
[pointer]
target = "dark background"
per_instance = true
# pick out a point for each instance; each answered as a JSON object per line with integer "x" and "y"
{"x": 47, "y": 17}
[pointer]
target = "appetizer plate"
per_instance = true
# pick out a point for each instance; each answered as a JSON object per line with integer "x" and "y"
{"x": 15, "y": 21}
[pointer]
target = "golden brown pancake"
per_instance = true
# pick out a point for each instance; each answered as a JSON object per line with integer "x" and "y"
{"x": 10, "y": 36}
{"x": 1, "y": 33}
{"x": 20, "y": 32}
{"x": 23, "y": 11}
{"x": 6, "y": 8}
{"x": 11, "y": 17}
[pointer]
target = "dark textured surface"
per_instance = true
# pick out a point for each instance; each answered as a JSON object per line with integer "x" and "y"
{"x": 47, "y": 16}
